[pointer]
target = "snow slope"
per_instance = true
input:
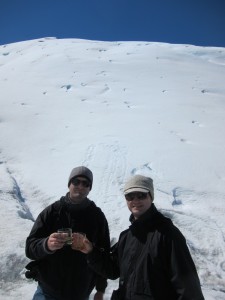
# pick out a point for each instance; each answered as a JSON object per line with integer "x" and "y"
{"x": 120, "y": 108}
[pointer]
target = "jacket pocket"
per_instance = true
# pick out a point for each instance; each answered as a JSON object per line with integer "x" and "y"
{"x": 32, "y": 270}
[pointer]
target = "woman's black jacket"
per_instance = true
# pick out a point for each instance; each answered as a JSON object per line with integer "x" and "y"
{"x": 64, "y": 273}
{"x": 152, "y": 260}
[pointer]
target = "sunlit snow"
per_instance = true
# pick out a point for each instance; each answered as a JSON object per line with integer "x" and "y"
{"x": 120, "y": 108}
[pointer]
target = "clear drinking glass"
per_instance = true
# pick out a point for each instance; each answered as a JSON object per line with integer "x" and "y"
{"x": 68, "y": 231}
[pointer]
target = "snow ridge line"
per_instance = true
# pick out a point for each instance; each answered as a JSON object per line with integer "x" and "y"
{"x": 9, "y": 186}
{"x": 25, "y": 212}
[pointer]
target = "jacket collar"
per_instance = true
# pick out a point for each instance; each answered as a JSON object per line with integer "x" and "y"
{"x": 148, "y": 215}
{"x": 76, "y": 206}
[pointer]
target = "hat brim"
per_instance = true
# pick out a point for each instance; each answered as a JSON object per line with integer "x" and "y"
{"x": 136, "y": 189}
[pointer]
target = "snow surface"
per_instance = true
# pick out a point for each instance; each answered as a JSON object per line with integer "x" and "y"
{"x": 120, "y": 108}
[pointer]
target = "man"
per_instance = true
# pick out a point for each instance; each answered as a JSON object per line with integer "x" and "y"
{"x": 62, "y": 271}
{"x": 151, "y": 258}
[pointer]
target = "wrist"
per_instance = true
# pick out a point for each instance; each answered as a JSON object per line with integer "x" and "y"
{"x": 46, "y": 247}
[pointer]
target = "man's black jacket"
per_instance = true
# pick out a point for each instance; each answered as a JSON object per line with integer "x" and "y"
{"x": 64, "y": 273}
{"x": 152, "y": 260}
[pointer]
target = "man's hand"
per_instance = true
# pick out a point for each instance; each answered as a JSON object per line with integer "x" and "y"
{"x": 98, "y": 296}
{"x": 56, "y": 241}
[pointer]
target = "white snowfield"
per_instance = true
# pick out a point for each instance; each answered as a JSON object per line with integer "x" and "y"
{"x": 120, "y": 108}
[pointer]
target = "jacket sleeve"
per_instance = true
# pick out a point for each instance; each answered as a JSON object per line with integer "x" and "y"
{"x": 104, "y": 263}
{"x": 182, "y": 270}
{"x": 103, "y": 244}
{"x": 36, "y": 242}
{"x": 101, "y": 284}
{"x": 101, "y": 240}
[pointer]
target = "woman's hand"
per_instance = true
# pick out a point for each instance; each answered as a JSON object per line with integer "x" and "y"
{"x": 81, "y": 243}
{"x": 98, "y": 296}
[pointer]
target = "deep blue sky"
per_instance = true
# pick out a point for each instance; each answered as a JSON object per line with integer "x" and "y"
{"x": 196, "y": 22}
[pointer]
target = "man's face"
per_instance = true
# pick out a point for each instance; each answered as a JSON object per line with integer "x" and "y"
{"x": 79, "y": 189}
{"x": 138, "y": 203}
